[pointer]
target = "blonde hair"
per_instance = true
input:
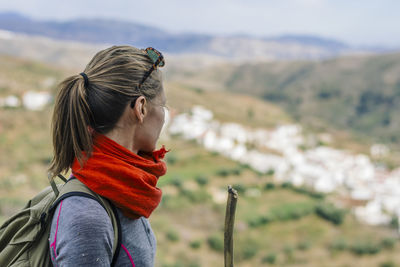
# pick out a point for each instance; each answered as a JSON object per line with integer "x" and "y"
{"x": 114, "y": 75}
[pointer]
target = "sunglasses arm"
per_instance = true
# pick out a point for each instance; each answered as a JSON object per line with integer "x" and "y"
{"x": 146, "y": 75}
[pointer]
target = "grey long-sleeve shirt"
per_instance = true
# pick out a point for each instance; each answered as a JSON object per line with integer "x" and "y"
{"x": 82, "y": 235}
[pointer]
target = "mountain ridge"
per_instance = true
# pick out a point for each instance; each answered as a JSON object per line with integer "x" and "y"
{"x": 114, "y": 31}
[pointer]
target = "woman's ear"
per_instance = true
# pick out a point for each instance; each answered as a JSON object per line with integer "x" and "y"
{"x": 140, "y": 108}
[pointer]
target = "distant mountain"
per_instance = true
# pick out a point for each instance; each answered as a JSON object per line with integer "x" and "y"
{"x": 313, "y": 41}
{"x": 100, "y": 31}
{"x": 361, "y": 93}
{"x": 106, "y": 31}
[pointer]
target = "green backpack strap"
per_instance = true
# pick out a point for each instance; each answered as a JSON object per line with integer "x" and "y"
{"x": 74, "y": 187}
{"x": 53, "y": 184}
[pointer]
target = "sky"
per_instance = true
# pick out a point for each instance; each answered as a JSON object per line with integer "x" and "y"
{"x": 356, "y": 22}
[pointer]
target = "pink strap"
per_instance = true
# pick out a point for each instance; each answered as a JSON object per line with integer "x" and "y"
{"x": 129, "y": 255}
{"x": 53, "y": 245}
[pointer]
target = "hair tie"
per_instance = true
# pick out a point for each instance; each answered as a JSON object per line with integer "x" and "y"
{"x": 85, "y": 78}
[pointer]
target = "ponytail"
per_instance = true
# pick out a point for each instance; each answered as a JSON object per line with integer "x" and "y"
{"x": 70, "y": 126}
{"x": 114, "y": 74}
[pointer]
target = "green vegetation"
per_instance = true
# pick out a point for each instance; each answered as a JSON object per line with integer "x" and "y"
{"x": 198, "y": 196}
{"x": 291, "y": 211}
{"x": 247, "y": 250}
{"x": 195, "y": 244}
{"x": 202, "y": 180}
{"x": 171, "y": 158}
{"x": 226, "y": 172}
{"x": 388, "y": 243}
{"x": 394, "y": 222}
{"x": 362, "y": 248}
{"x": 172, "y": 235}
{"x": 306, "y": 191}
{"x": 216, "y": 242}
{"x": 338, "y": 245}
{"x": 297, "y": 210}
{"x": 358, "y": 93}
{"x": 270, "y": 258}
{"x": 269, "y": 186}
{"x": 387, "y": 264}
{"x": 330, "y": 213}
{"x": 279, "y": 226}
{"x": 304, "y": 245}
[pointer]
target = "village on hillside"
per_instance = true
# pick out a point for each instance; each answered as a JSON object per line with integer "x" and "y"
{"x": 281, "y": 151}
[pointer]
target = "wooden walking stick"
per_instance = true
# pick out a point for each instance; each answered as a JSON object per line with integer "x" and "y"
{"x": 229, "y": 222}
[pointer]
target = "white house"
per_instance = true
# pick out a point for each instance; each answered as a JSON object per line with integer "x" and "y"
{"x": 36, "y": 100}
{"x": 10, "y": 101}
{"x": 323, "y": 168}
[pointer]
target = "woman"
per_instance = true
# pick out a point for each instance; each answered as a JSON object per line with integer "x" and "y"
{"x": 105, "y": 126}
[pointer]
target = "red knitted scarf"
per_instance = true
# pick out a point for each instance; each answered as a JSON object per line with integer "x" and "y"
{"x": 127, "y": 179}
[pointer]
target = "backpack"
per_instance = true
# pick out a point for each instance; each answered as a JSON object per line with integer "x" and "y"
{"x": 24, "y": 238}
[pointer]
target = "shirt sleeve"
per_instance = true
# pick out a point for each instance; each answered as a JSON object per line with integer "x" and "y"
{"x": 81, "y": 234}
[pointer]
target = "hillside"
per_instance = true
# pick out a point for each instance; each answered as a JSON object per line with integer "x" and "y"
{"x": 276, "y": 224}
{"x": 360, "y": 93}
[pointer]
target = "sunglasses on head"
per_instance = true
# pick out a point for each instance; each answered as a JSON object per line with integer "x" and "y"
{"x": 158, "y": 61}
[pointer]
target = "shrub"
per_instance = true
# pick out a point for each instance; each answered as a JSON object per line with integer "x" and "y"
{"x": 286, "y": 185}
{"x": 291, "y": 211}
{"x": 195, "y": 244}
{"x": 271, "y": 172}
{"x": 245, "y": 166}
{"x": 171, "y": 158}
{"x": 214, "y": 153}
{"x": 388, "y": 243}
{"x": 303, "y": 245}
{"x": 270, "y": 258}
{"x": 362, "y": 248}
{"x": 177, "y": 182}
{"x": 216, "y": 243}
{"x": 394, "y": 223}
{"x": 338, "y": 245}
{"x": 316, "y": 195}
{"x": 172, "y": 235}
{"x": 223, "y": 172}
{"x": 387, "y": 264}
{"x": 330, "y": 212}
{"x": 259, "y": 221}
{"x": 288, "y": 250}
{"x": 246, "y": 249}
{"x": 236, "y": 171}
{"x": 308, "y": 192}
{"x": 198, "y": 90}
{"x": 201, "y": 180}
{"x": 226, "y": 172}
{"x": 248, "y": 252}
{"x": 269, "y": 186}
{"x": 195, "y": 196}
